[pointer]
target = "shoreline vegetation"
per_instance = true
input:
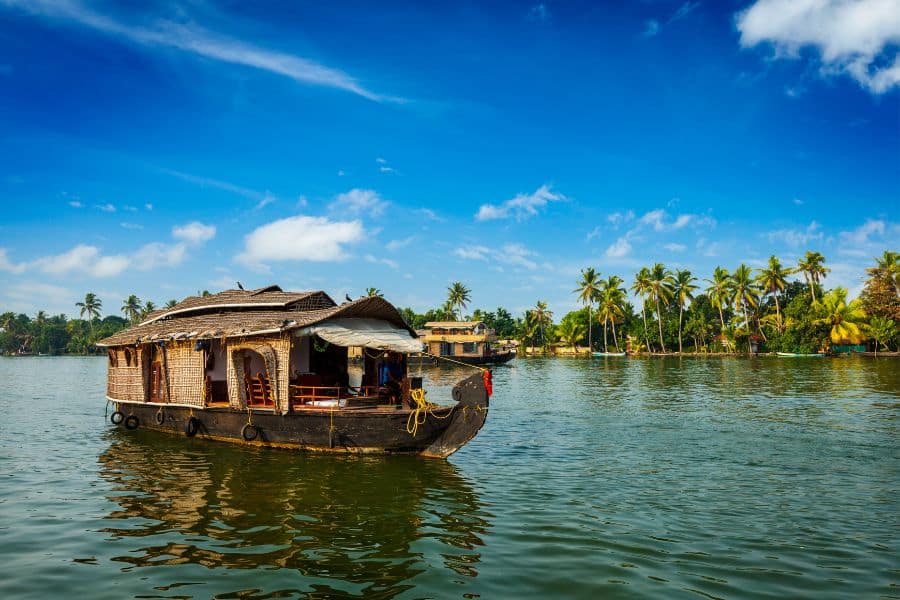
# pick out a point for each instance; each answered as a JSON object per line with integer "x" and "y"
{"x": 747, "y": 311}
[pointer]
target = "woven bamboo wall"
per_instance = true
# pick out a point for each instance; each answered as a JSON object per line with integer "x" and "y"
{"x": 185, "y": 374}
{"x": 276, "y": 352}
{"x": 125, "y": 382}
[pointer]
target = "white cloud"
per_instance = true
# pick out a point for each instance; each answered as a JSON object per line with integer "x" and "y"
{"x": 148, "y": 206}
{"x": 386, "y": 170}
{"x": 796, "y": 237}
{"x": 619, "y": 218}
{"x": 156, "y": 254}
{"x": 658, "y": 219}
{"x": 7, "y": 265}
{"x": 395, "y": 245}
{"x": 473, "y": 252}
{"x": 593, "y": 233}
{"x": 129, "y": 208}
{"x": 207, "y": 44}
{"x": 429, "y": 214}
{"x": 301, "y": 238}
{"x": 194, "y": 232}
{"x": 30, "y": 296}
{"x": 381, "y": 161}
{"x": 517, "y": 255}
{"x": 520, "y": 207}
{"x": 107, "y": 207}
{"x": 358, "y": 201}
{"x": 385, "y": 261}
{"x": 618, "y": 249}
{"x": 133, "y": 226}
{"x": 860, "y": 236}
{"x": 209, "y": 182}
{"x": 857, "y": 38}
{"x": 76, "y": 204}
{"x": 797, "y": 201}
{"x": 266, "y": 200}
{"x": 340, "y": 173}
{"x": 83, "y": 259}
{"x": 675, "y": 247}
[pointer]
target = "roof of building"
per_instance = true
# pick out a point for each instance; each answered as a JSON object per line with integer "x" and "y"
{"x": 453, "y": 324}
{"x": 239, "y": 313}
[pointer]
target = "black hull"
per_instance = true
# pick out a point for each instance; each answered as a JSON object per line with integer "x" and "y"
{"x": 440, "y": 431}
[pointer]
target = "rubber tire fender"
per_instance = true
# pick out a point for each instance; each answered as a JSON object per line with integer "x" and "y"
{"x": 249, "y": 432}
{"x": 160, "y": 417}
{"x": 193, "y": 426}
{"x": 131, "y": 422}
{"x": 117, "y": 417}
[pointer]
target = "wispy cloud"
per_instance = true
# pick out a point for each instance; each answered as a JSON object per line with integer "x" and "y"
{"x": 200, "y": 42}
{"x": 75, "y": 204}
{"x": 7, "y": 265}
{"x": 395, "y": 245}
{"x": 618, "y": 249}
{"x": 856, "y": 38}
{"x": 358, "y": 201}
{"x": 652, "y": 27}
{"x": 520, "y": 207}
{"x": 796, "y": 237}
{"x": 384, "y": 261}
{"x": 133, "y": 226}
{"x": 539, "y": 13}
{"x": 194, "y": 232}
{"x": 110, "y": 208}
{"x": 217, "y": 184}
{"x": 515, "y": 255}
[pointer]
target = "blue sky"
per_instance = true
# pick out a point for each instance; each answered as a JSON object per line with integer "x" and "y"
{"x": 182, "y": 146}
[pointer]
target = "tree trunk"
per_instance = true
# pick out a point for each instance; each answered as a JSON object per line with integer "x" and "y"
{"x": 662, "y": 344}
{"x": 644, "y": 315}
{"x": 590, "y": 345}
{"x": 778, "y": 312}
{"x": 680, "y": 313}
{"x": 615, "y": 338}
{"x": 604, "y": 334}
{"x": 747, "y": 326}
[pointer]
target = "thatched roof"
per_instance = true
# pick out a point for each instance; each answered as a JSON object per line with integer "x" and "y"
{"x": 239, "y": 313}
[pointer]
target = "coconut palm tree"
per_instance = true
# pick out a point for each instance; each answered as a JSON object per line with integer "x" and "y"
{"x": 171, "y": 303}
{"x": 40, "y": 318}
{"x": 588, "y": 289}
{"x": 882, "y": 329}
{"x": 773, "y": 280}
{"x": 887, "y": 267}
{"x": 374, "y": 293}
{"x": 458, "y": 297}
{"x": 845, "y": 319}
{"x": 661, "y": 282}
{"x": 91, "y": 306}
{"x": 641, "y": 287}
{"x": 813, "y": 269}
{"x": 149, "y": 307}
{"x": 744, "y": 293}
{"x": 570, "y": 332}
{"x": 132, "y": 307}
{"x": 610, "y": 308}
{"x": 541, "y": 315}
{"x": 718, "y": 291}
{"x": 683, "y": 292}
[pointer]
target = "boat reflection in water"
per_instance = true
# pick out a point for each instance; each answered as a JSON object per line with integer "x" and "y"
{"x": 300, "y": 524}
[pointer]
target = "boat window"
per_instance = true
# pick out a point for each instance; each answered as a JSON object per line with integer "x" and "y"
{"x": 113, "y": 359}
{"x": 470, "y": 347}
{"x": 128, "y": 357}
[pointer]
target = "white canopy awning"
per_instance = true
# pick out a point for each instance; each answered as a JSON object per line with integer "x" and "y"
{"x": 370, "y": 333}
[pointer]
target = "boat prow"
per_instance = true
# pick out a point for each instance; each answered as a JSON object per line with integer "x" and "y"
{"x": 466, "y": 420}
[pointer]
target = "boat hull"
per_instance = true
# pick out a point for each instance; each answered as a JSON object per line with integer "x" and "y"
{"x": 437, "y": 432}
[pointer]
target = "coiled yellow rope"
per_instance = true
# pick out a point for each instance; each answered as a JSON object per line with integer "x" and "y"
{"x": 422, "y": 406}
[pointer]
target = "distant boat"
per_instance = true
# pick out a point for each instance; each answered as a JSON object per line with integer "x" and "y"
{"x": 607, "y": 353}
{"x": 799, "y": 355}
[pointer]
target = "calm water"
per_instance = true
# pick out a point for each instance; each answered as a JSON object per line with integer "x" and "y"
{"x": 614, "y": 478}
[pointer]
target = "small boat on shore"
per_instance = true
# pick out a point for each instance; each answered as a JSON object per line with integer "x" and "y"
{"x": 799, "y": 355}
{"x": 270, "y": 368}
{"x": 607, "y": 354}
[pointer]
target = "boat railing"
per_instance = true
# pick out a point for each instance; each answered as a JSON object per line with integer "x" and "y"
{"x": 305, "y": 396}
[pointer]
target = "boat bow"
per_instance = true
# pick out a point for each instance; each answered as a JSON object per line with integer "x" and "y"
{"x": 467, "y": 418}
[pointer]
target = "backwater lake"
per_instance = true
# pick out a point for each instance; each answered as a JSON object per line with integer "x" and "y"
{"x": 603, "y": 478}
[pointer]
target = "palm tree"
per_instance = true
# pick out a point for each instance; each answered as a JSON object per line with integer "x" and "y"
{"x": 882, "y": 329}
{"x": 887, "y": 267}
{"x": 374, "y": 293}
{"x": 661, "y": 282}
{"x": 718, "y": 292}
{"x": 91, "y": 305}
{"x": 570, "y": 331}
{"x": 813, "y": 269}
{"x": 588, "y": 289}
{"x": 641, "y": 287}
{"x": 844, "y": 318}
{"x": 132, "y": 307}
{"x": 149, "y": 307}
{"x": 541, "y": 315}
{"x": 458, "y": 296}
{"x": 41, "y": 317}
{"x": 773, "y": 281}
{"x": 744, "y": 293}
{"x": 683, "y": 291}
{"x": 171, "y": 303}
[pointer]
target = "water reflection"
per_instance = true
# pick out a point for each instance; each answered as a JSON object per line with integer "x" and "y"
{"x": 348, "y": 525}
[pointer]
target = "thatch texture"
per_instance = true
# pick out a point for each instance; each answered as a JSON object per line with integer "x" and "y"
{"x": 247, "y": 323}
{"x": 126, "y": 382}
{"x": 275, "y": 351}
{"x": 184, "y": 374}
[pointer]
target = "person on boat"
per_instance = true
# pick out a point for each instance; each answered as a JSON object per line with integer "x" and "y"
{"x": 391, "y": 376}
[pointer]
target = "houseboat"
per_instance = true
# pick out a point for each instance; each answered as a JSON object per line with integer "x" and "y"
{"x": 469, "y": 342}
{"x": 269, "y": 367}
